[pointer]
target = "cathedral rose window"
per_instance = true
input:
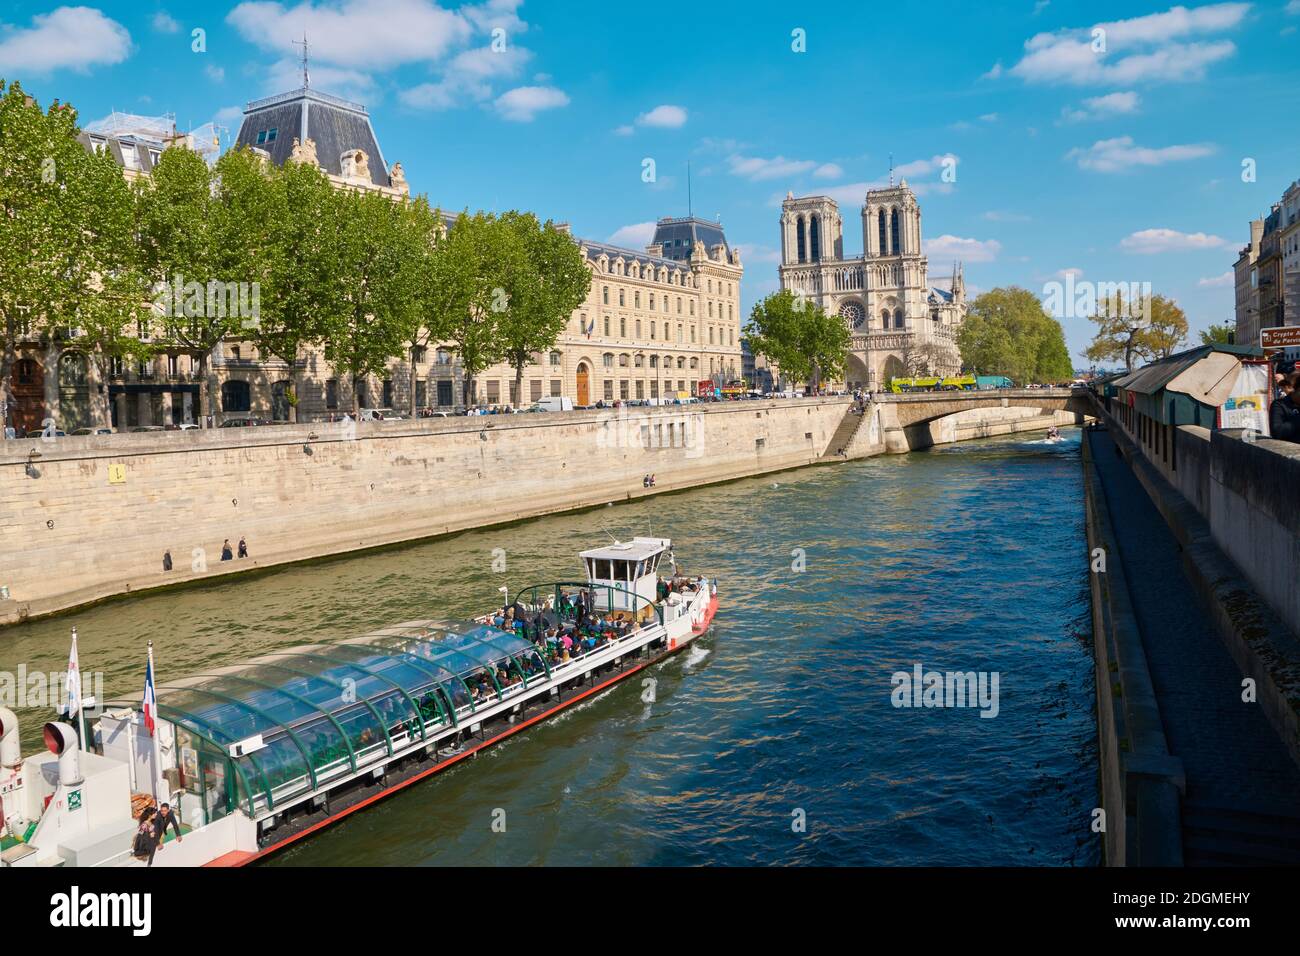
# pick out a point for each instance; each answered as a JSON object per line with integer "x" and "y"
{"x": 853, "y": 315}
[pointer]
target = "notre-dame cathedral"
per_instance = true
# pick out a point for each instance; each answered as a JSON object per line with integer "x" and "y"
{"x": 900, "y": 324}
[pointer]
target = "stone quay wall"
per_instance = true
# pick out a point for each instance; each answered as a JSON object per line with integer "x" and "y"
{"x": 87, "y": 518}
{"x": 84, "y": 518}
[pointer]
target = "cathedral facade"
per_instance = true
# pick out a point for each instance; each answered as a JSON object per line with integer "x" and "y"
{"x": 899, "y": 324}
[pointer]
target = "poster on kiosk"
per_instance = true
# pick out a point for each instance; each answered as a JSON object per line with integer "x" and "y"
{"x": 1280, "y": 344}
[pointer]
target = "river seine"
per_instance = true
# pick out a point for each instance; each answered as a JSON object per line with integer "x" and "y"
{"x": 774, "y": 740}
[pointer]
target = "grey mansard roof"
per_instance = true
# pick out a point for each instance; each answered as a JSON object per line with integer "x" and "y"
{"x": 335, "y": 124}
{"x": 679, "y": 236}
{"x": 596, "y": 249}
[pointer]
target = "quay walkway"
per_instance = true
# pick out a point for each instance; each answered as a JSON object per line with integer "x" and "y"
{"x": 1241, "y": 805}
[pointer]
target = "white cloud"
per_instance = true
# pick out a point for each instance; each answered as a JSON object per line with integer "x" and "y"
{"x": 286, "y": 74}
{"x": 523, "y": 103}
{"x": 360, "y": 34}
{"x": 1102, "y": 107}
{"x": 752, "y": 253}
{"x": 1168, "y": 46}
{"x": 497, "y": 13}
{"x": 997, "y": 215}
{"x": 1223, "y": 280}
{"x": 666, "y": 116}
{"x": 948, "y": 248}
{"x": 1293, "y": 8}
{"x": 828, "y": 171}
{"x": 164, "y": 22}
{"x": 923, "y": 167}
{"x": 1153, "y": 241}
{"x": 485, "y": 63}
{"x": 1121, "y": 153}
{"x": 1063, "y": 274}
{"x": 467, "y": 79}
{"x": 635, "y": 236}
{"x": 215, "y": 73}
{"x": 72, "y": 37}
{"x": 229, "y": 116}
{"x": 624, "y": 130}
{"x": 757, "y": 169}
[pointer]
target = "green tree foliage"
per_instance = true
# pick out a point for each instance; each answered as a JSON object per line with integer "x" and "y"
{"x": 67, "y": 221}
{"x": 380, "y": 250}
{"x": 1219, "y": 334}
{"x": 474, "y": 263}
{"x": 103, "y": 301}
{"x": 177, "y": 207}
{"x": 301, "y": 282}
{"x": 1150, "y": 328}
{"x": 1007, "y": 332}
{"x": 799, "y": 337}
{"x": 542, "y": 290}
{"x": 430, "y": 322}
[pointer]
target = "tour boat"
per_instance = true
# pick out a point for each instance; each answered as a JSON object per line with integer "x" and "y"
{"x": 259, "y": 755}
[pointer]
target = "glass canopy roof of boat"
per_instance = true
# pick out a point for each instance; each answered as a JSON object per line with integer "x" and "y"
{"x": 325, "y": 708}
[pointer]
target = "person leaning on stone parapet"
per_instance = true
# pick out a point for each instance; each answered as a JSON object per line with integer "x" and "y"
{"x": 1284, "y": 415}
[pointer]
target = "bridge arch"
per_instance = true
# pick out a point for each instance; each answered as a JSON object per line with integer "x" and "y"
{"x": 921, "y": 409}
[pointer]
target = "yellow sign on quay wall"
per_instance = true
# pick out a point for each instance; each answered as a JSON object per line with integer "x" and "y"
{"x": 117, "y": 474}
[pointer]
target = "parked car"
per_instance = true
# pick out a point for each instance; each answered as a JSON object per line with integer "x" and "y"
{"x": 145, "y": 428}
{"x": 91, "y": 431}
{"x": 555, "y": 403}
{"x": 243, "y": 422}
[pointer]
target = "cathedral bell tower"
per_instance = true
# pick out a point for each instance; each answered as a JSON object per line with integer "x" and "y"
{"x": 891, "y": 222}
{"x": 811, "y": 230}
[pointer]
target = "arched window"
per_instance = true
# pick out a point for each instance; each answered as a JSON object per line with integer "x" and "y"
{"x": 884, "y": 245}
{"x": 803, "y": 254}
{"x": 893, "y": 233}
{"x": 235, "y": 396}
{"x": 884, "y": 318}
{"x": 72, "y": 369}
{"x": 814, "y": 238}
{"x": 898, "y": 319}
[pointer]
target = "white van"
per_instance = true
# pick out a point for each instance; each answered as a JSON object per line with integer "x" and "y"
{"x": 552, "y": 403}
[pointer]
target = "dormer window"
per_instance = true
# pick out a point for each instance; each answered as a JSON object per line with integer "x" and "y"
{"x": 267, "y": 135}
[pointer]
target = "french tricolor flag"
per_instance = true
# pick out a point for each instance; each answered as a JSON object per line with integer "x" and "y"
{"x": 150, "y": 700}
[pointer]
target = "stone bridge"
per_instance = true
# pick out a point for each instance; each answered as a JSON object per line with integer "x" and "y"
{"x": 902, "y": 422}
{"x": 917, "y": 408}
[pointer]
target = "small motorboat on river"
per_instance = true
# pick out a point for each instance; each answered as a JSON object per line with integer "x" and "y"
{"x": 258, "y": 755}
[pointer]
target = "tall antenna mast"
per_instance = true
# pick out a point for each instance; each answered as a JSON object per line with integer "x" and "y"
{"x": 891, "y": 170}
{"x": 306, "y": 78}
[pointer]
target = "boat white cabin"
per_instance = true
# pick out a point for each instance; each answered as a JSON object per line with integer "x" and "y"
{"x": 625, "y": 574}
{"x": 260, "y": 753}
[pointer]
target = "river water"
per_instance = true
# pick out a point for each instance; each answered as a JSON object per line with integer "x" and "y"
{"x": 771, "y": 741}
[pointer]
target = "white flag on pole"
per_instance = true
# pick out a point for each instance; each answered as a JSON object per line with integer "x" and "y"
{"x": 72, "y": 686}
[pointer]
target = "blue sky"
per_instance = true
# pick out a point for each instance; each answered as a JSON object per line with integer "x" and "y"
{"x": 1119, "y": 154}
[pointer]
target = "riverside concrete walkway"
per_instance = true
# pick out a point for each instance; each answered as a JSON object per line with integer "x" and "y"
{"x": 1242, "y": 803}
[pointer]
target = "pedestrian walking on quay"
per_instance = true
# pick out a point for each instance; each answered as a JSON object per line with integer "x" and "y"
{"x": 243, "y": 547}
{"x": 226, "y": 553}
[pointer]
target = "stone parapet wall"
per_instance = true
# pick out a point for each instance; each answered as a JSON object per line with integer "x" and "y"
{"x": 87, "y": 518}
